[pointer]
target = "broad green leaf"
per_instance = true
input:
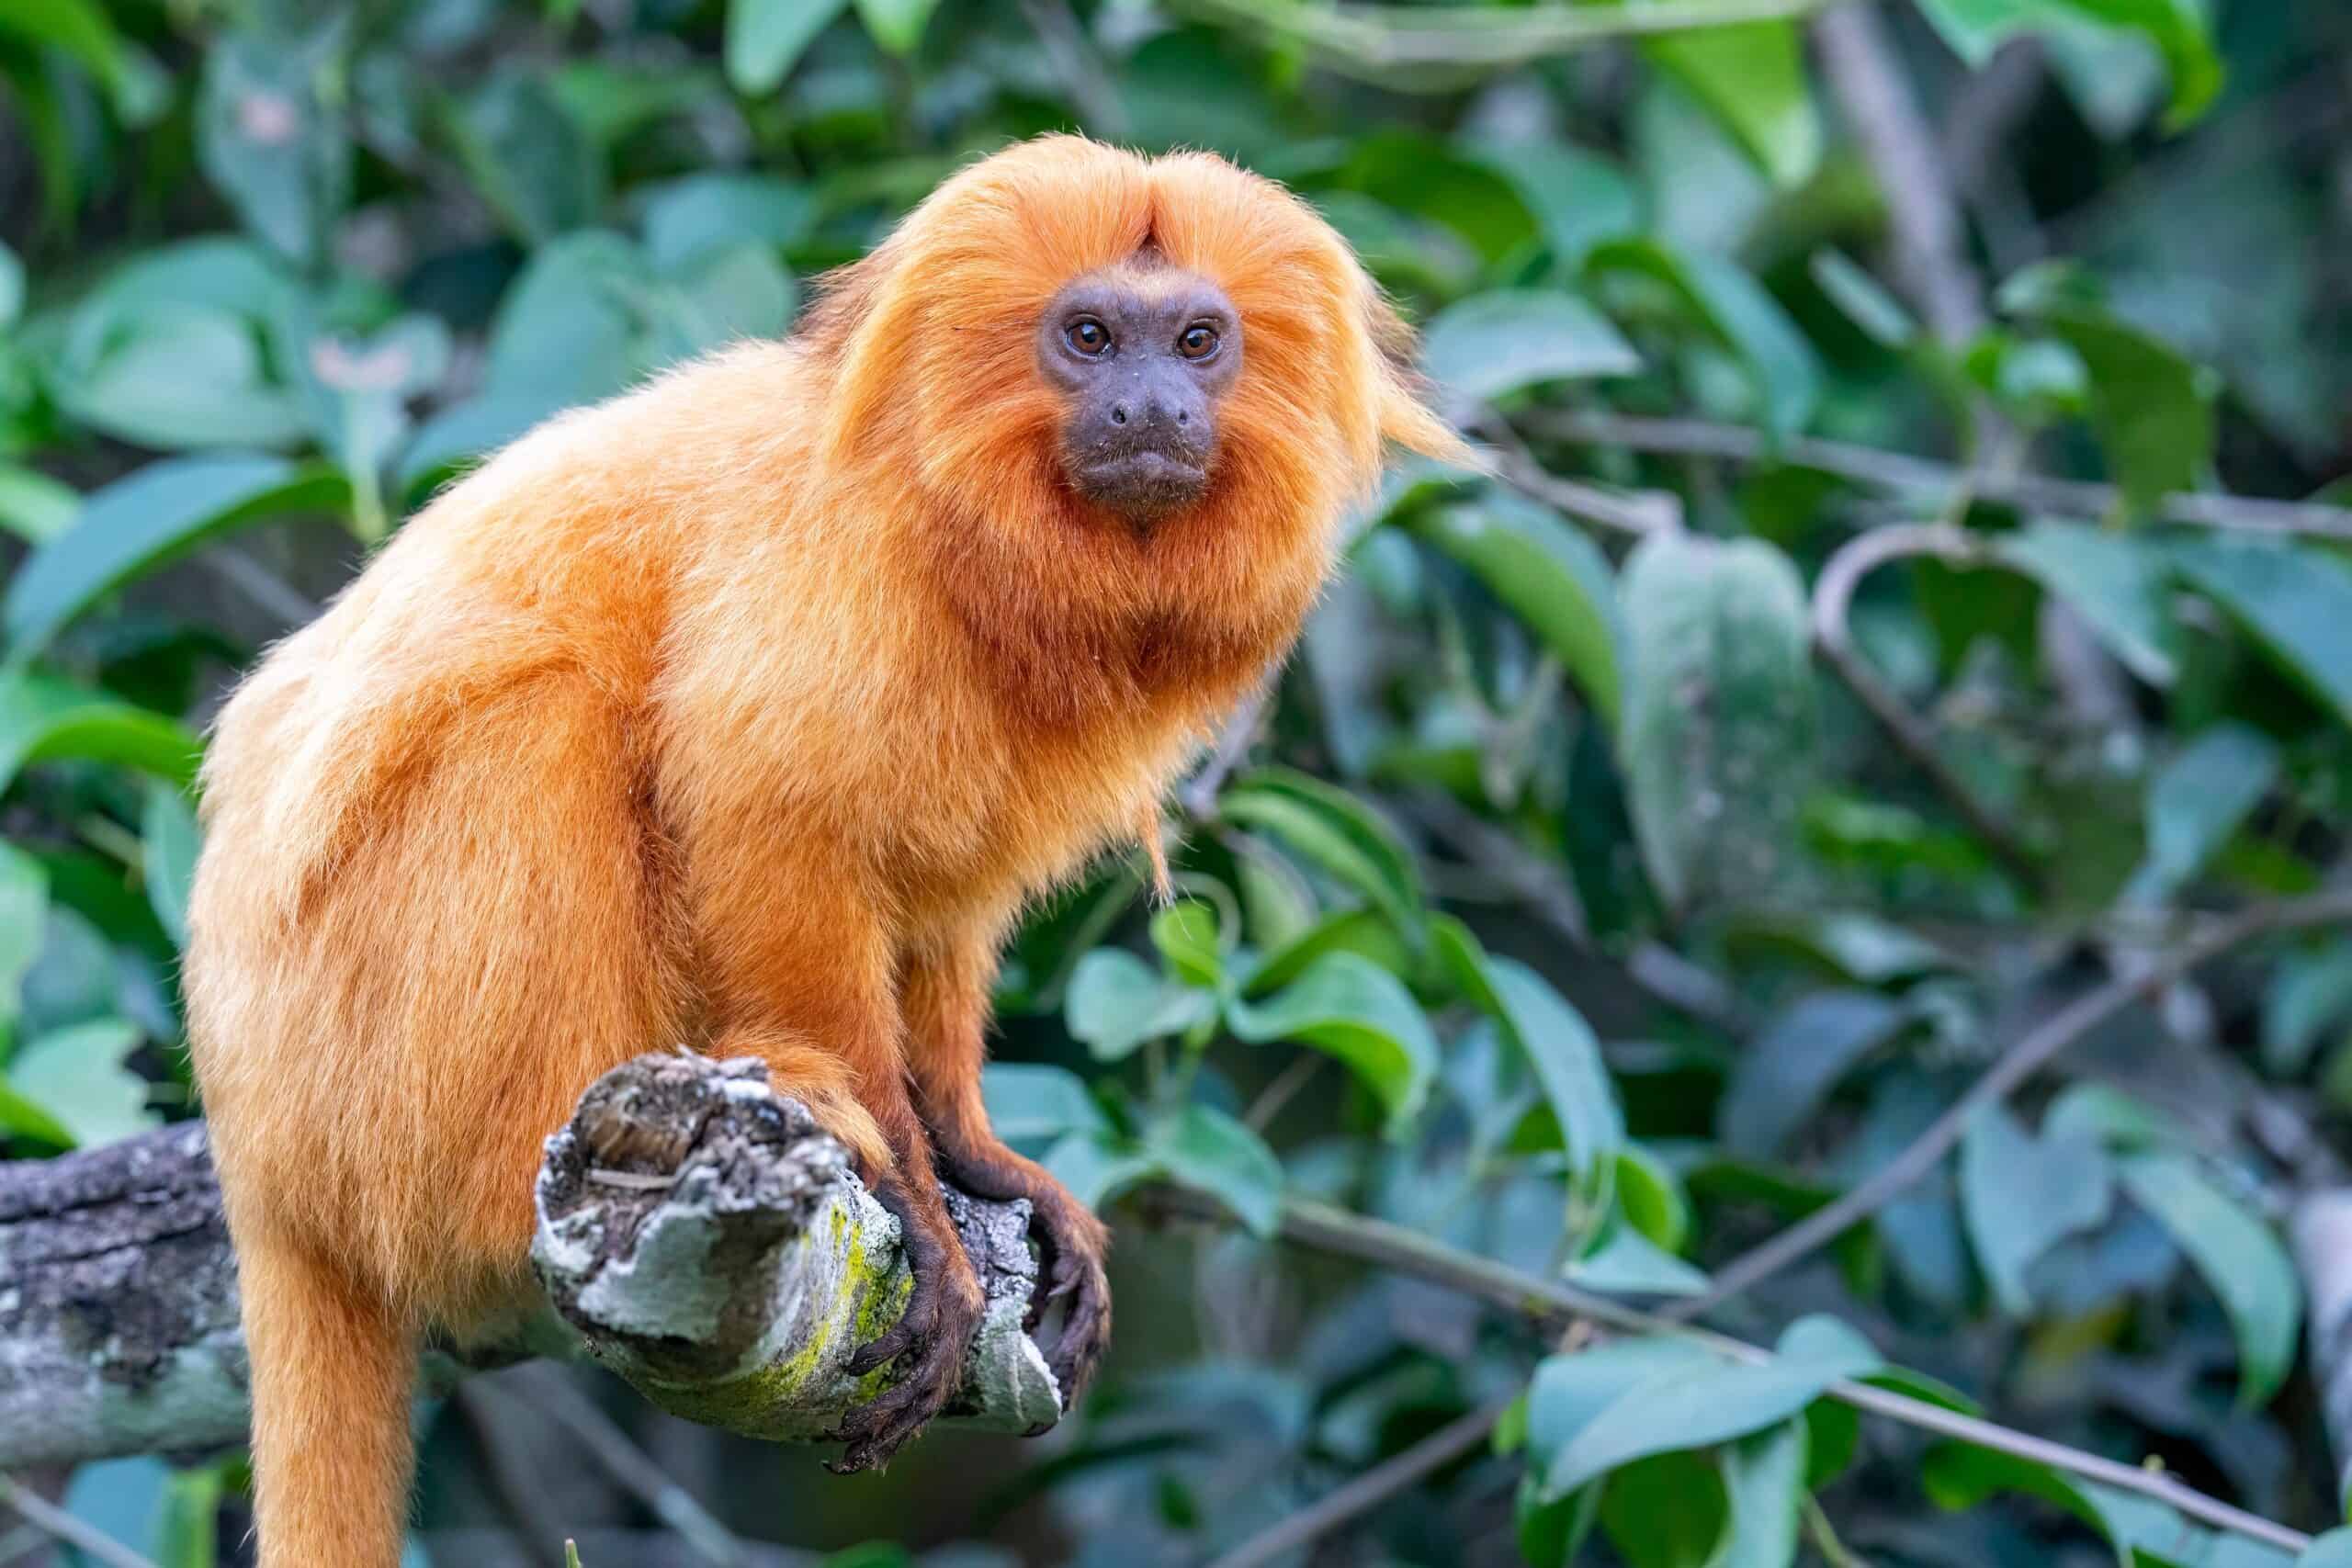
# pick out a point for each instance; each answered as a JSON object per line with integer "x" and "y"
{"x": 2105, "y": 1115}
{"x": 895, "y": 25}
{"x": 20, "y": 1117}
{"x": 180, "y": 375}
{"x": 169, "y": 834}
{"x": 1096, "y": 1167}
{"x": 268, "y": 142}
{"x": 1690, "y": 1407}
{"x": 1116, "y": 1002}
{"x": 79, "y": 28}
{"x": 1752, "y": 78}
{"x": 1029, "y": 1102}
{"x": 1830, "y": 1345}
{"x": 1186, "y": 935}
{"x": 1782, "y": 1075}
{"x": 34, "y": 507}
{"x": 1333, "y": 831}
{"x": 24, "y": 913}
{"x": 1652, "y": 1196}
{"x": 2238, "y": 1255}
{"x": 1728, "y": 305}
{"x": 151, "y": 517}
{"x": 2118, "y": 583}
{"x": 1564, "y": 1054}
{"x": 1490, "y": 345}
{"x": 1355, "y": 1011}
{"x": 1366, "y": 933}
{"x": 1719, "y": 728}
{"x": 687, "y": 219}
{"x": 1580, "y": 199}
{"x": 2143, "y": 1534}
{"x": 1551, "y": 575}
{"x": 2150, "y": 404}
{"x": 2332, "y": 1550}
{"x": 188, "y": 1535}
{"x": 2197, "y": 800}
{"x": 527, "y": 160}
{"x": 1667, "y": 1510}
{"x": 1764, "y": 1475}
{"x": 78, "y": 1077}
{"x": 764, "y": 37}
{"x": 1206, "y": 1148}
{"x": 2296, "y": 602}
{"x": 44, "y": 719}
{"x": 12, "y": 286}
{"x": 1975, "y": 29}
{"x": 1625, "y": 1262}
{"x": 1569, "y": 1391}
{"x": 2309, "y": 992}
{"x": 2021, "y": 1195}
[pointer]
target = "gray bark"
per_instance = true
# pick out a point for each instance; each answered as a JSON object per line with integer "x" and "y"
{"x": 698, "y": 1235}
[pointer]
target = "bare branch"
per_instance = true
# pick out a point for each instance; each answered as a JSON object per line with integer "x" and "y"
{"x": 1933, "y": 481}
{"x": 51, "y": 1520}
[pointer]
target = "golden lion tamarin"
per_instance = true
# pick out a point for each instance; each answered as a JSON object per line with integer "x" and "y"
{"x": 745, "y": 710}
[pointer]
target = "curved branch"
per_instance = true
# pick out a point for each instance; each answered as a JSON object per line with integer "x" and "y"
{"x": 697, "y": 1235}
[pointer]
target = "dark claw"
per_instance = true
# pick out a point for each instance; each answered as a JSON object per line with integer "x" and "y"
{"x": 937, "y": 1329}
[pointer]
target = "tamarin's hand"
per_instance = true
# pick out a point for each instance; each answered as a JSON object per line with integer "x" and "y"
{"x": 747, "y": 711}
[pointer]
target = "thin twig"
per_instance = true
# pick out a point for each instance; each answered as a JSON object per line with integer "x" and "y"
{"x": 1396, "y": 1249}
{"x": 1642, "y": 512}
{"x": 244, "y": 572}
{"x": 1833, "y": 597}
{"x": 553, "y": 1394}
{"x": 2039, "y": 1046}
{"x": 1906, "y": 475}
{"x": 1277, "y": 1094}
{"x": 1342, "y": 1505}
{"x": 51, "y": 1520}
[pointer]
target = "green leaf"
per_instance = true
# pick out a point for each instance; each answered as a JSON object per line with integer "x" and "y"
{"x": 1625, "y": 1262}
{"x": 1116, "y": 1003}
{"x": 2149, "y": 402}
{"x": 1689, "y": 1407}
{"x": 1493, "y": 344}
{"x": 2296, "y": 602}
{"x": 76, "y": 1076}
{"x": 1551, "y": 575}
{"x": 1206, "y": 1149}
{"x": 1029, "y": 1102}
{"x": 2143, "y": 1534}
{"x": 2332, "y": 1550}
{"x": 1764, "y": 1475}
{"x": 1782, "y": 1075}
{"x": 12, "y": 286}
{"x": 170, "y": 835}
{"x": 1579, "y": 199}
{"x": 35, "y": 507}
{"x": 686, "y": 220}
{"x": 1186, "y": 935}
{"x": 2119, "y": 584}
{"x": 1975, "y": 29}
{"x": 2197, "y": 800}
{"x": 1560, "y": 1047}
{"x": 2239, "y": 1256}
{"x": 268, "y": 142}
{"x": 24, "y": 914}
{"x": 1752, "y": 78}
{"x": 1570, "y": 1391}
{"x": 1735, "y": 311}
{"x": 1098, "y": 1168}
{"x": 895, "y": 25}
{"x": 80, "y": 29}
{"x": 2021, "y": 1195}
{"x": 154, "y": 517}
{"x": 1366, "y": 933}
{"x": 1865, "y": 302}
{"x": 45, "y": 720}
{"x": 1719, "y": 731}
{"x": 2309, "y": 992}
{"x": 1334, "y": 832}
{"x": 1665, "y": 1511}
{"x": 1355, "y": 1011}
{"x": 527, "y": 160}
{"x": 177, "y": 375}
{"x": 764, "y": 37}
{"x": 1652, "y": 1196}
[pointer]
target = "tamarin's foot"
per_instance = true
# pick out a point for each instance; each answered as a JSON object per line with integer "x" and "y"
{"x": 943, "y": 1312}
{"x": 1071, "y": 1246}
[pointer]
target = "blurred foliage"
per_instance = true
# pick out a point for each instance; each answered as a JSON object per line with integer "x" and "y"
{"x": 1567, "y": 907}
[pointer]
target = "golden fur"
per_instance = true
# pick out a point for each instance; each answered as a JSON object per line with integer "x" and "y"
{"x": 743, "y": 710}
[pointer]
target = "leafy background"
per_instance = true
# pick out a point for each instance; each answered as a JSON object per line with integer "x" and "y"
{"x": 1860, "y": 656}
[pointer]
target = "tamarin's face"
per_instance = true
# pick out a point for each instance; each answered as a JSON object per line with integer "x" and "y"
{"x": 1142, "y": 356}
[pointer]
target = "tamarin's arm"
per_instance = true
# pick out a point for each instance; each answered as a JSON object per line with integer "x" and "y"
{"x": 943, "y": 996}
{"x": 798, "y": 970}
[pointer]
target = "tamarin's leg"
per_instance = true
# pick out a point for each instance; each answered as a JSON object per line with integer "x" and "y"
{"x": 332, "y": 1377}
{"x": 803, "y": 980}
{"x": 943, "y": 996}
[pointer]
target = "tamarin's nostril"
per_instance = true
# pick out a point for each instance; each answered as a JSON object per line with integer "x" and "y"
{"x": 1119, "y": 414}
{"x": 1183, "y": 417}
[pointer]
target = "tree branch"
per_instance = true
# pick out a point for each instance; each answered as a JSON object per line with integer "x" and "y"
{"x": 698, "y": 1235}
{"x": 1928, "y": 479}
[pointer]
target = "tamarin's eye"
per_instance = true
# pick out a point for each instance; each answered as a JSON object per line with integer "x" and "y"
{"x": 1087, "y": 335}
{"x": 1199, "y": 340}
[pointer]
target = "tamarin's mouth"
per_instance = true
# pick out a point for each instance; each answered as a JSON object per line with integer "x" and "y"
{"x": 1142, "y": 484}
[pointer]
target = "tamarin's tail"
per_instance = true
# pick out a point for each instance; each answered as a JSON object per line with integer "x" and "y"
{"x": 332, "y": 1374}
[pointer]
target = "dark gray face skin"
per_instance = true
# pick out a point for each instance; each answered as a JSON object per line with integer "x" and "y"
{"x": 1142, "y": 359}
